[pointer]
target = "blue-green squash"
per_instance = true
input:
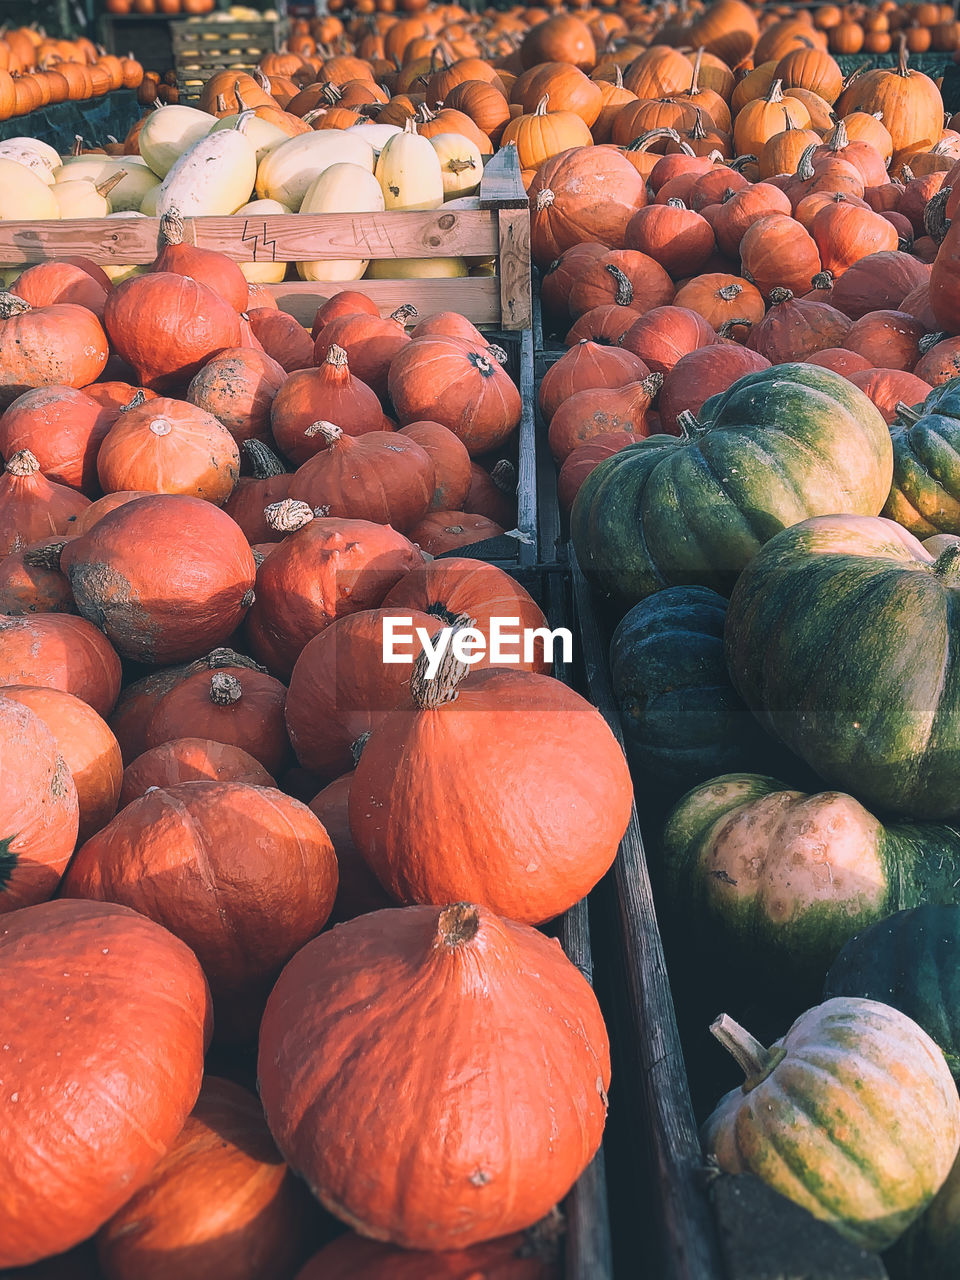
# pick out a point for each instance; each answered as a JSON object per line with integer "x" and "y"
{"x": 843, "y": 639}
{"x": 778, "y": 446}
{"x": 779, "y": 880}
{"x": 925, "y": 493}
{"x": 910, "y": 960}
{"x": 930, "y": 1250}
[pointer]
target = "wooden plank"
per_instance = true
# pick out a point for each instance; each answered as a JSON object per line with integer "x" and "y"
{"x": 527, "y": 470}
{"x": 501, "y": 186}
{"x": 279, "y": 238}
{"x": 548, "y": 506}
{"x": 516, "y": 301}
{"x": 690, "y": 1250}
{"x": 476, "y": 297}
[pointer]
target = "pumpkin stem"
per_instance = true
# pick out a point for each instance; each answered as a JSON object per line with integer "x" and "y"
{"x": 77, "y": 145}
{"x": 356, "y": 747}
{"x": 541, "y": 107}
{"x": 695, "y": 78}
{"x": 838, "y": 138}
{"x": 263, "y": 461}
{"x": 651, "y": 384}
{"x": 752, "y": 1057}
{"x": 929, "y": 341}
{"x": 498, "y": 353}
{"x": 327, "y": 430}
{"x": 287, "y": 516}
{"x": 337, "y": 357}
{"x": 823, "y": 280}
{"x": 404, "y": 314}
{"x": 22, "y": 463}
{"x": 675, "y": 203}
{"x": 728, "y": 326}
{"x": 730, "y": 291}
{"x": 618, "y": 76}
{"x": 258, "y": 557}
{"x": 428, "y": 692}
{"x": 47, "y": 557}
{"x": 138, "y": 399}
{"x": 457, "y": 925}
{"x": 225, "y": 689}
{"x": 947, "y": 566}
{"x": 171, "y": 228}
{"x": 935, "y": 220}
{"x": 646, "y": 140}
{"x": 697, "y": 130}
{"x": 331, "y": 93}
{"x": 504, "y": 476}
{"x": 624, "y": 291}
{"x": 741, "y": 162}
{"x": 11, "y": 305}
{"x": 780, "y": 295}
{"x": 690, "y": 428}
{"x": 805, "y": 169}
{"x": 903, "y": 56}
{"x": 775, "y": 92}
{"x": 223, "y": 657}
{"x": 908, "y": 413}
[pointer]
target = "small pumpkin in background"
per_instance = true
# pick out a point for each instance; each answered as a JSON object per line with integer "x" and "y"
{"x": 441, "y": 532}
{"x": 282, "y": 338}
{"x": 451, "y": 463}
{"x": 190, "y": 760}
{"x": 29, "y": 584}
{"x": 358, "y": 890}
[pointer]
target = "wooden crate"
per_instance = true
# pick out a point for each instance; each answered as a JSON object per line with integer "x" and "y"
{"x": 149, "y": 37}
{"x": 204, "y": 46}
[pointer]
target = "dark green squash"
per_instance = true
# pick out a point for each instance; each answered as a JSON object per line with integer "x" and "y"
{"x": 778, "y": 880}
{"x": 925, "y": 494}
{"x": 912, "y": 961}
{"x": 780, "y": 445}
{"x": 682, "y": 719}
{"x": 843, "y": 639}
{"x": 930, "y": 1249}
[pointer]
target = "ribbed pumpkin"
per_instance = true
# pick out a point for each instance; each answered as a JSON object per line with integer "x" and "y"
{"x": 676, "y": 237}
{"x": 329, "y": 393}
{"x": 795, "y": 328}
{"x": 473, "y": 971}
{"x": 244, "y": 875}
{"x": 59, "y": 651}
{"x": 585, "y": 367}
{"x": 889, "y": 388}
{"x": 268, "y": 483}
{"x": 776, "y": 252}
{"x": 190, "y": 760}
{"x": 63, "y": 429}
{"x": 925, "y": 494}
{"x": 458, "y": 384}
{"x": 89, "y": 750}
{"x": 166, "y": 326}
{"x": 844, "y": 234}
{"x": 880, "y": 281}
{"x": 451, "y": 463}
{"x": 206, "y": 266}
{"x": 169, "y": 446}
{"x": 939, "y": 363}
{"x": 725, "y": 301}
{"x": 739, "y": 210}
{"x": 889, "y": 339}
{"x": 504, "y": 856}
{"x": 238, "y": 387}
{"x": 379, "y": 476}
{"x": 232, "y": 705}
{"x": 341, "y": 686}
{"x": 857, "y": 1099}
{"x": 558, "y": 277}
{"x": 605, "y": 324}
{"x": 910, "y": 101}
{"x": 824, "y": 445}
{"x": 346, "y": 302}
{"x": 58, "y": 346}
{"x": 560, "y": 214}
{"x": 30, "y": 506}
{"x": 255, "y": 1228}
{"x": 186, "y": 596}
{"x": 325, "y": 569}
{"x": 39, "y": 809}
{"x": 597, "y": 410}
{"x": 514, "y": 1257}
{"x": 864, "y": 728}
{"x": 665, "y": 334}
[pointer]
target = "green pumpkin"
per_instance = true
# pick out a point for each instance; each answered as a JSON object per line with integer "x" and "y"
{"x": 930, "y": 1250}
{"x": 853, "y": 1114}
{"x": 777, "y": 879}
{"x": 943, "y": 399}
{"x": 925, "y": 494}
{"x": 843, "y": 639}
{"x": 682, "y": 719}
{"x": 780, "y": 445}
{"x": 911, "y": 960}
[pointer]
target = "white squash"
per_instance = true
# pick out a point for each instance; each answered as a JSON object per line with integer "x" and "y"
{"x": 343, "y": 188}
{"x": 138, "y": 178}
{"x": 461, "y": 164}
{"x": 40, "y": 158}
{"x": 23, "y": 195}
{"x": 416, "y": 268}
{"x": 263, "y": 272}
{"x": 83, "y": 199}
{"x": 378, "y": 135}
{"x": 171, "y": 131}
{"x": 289, "y": 170}
{"x": 264, "y": 135}
{"x": 148, "y": 205}
{"x": 214, "y": 177}
{"x": 408, "y": 171}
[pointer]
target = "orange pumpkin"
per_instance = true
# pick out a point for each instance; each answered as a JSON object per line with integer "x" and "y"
{"x": 60, "y": 345}
{"x": 30, "y": 506}
{"x": 59, "y": 282}
{"x": 589, "y": 193}
{"x": 190, "y": 760}
{"x": 237, "y": 387}
{"x": 329, "y": 393}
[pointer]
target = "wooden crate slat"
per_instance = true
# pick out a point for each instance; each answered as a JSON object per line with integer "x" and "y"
{"x": 278, "y": 238}
{"x": 476, "y": 297}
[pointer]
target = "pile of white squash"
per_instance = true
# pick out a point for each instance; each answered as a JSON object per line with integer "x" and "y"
{"x": 242, "y": 164}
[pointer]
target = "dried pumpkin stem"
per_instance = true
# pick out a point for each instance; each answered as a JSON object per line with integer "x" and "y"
{"x": 754, "y": 1059}
{"x": 47, "y": 557}
{"x": 624, "y": 293}
{"x": 225, "y": 689}
{"x": 780, "y": 295}
{"x": 458, "y": 924}
{"x": 947, "y": 566}
{"x": 287, "y": 516}
{"x": 138, "y": 399}
{"x": 328, "y": 430}
{"x": 504, "y": 476}
{"x": 11, "y": 305}
{"x": 430, "y": 692}
{"x": 171, "y": 228}
{"x": 404, "y": 314}
{"x": 224, "y": 657}
{"x": 730, "y": 291}
{"x": 336, "y": 356}
{"x": 23, "y": 463}
{"x": 263, "y": 461}
{"x": 907, "y": 413}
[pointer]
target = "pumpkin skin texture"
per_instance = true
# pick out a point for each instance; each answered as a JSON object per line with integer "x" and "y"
{"x": 886, "y": 731}
{"x": 39, "y": 811}
{"x": 63, "y": 429}
{"x": 925, "y": 494}
{"x": 258, "y": 1231}
{"x": 59, "y": 651}
{"x": 358, "y": 995}
{"x": 341, "y": 687}
{"x": 358, "y": 890}
{"x": 190, "y": 760}
{"x": 89, "y": 749}
{"x": 188, "y": 595}
{"x": 853, "y": 1114}
{"x": 784, "y": 878}
{"x": 244, "y": 875}
{"x": 133, "y": 1016}
{"x": 527, "y": 859}
{"x": 910, "y": 960}
{"x": 238, "y": 387}
{"x": 682, "y": 720}
{"x": 352, "y": 1257}
{"x": 656, "y": 514}
{"x": 451, "y": 463}
{"x": 59, "y": 346}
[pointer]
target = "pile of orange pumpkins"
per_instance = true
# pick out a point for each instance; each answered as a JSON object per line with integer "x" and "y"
{"x": 36, "y": 70}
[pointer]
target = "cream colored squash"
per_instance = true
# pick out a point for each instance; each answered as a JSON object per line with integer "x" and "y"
{"x": 215, "y": 176}
{"x": 23, "y": 195}
{"x": 408, "y": 171}
{"x": 343, "y": 188}
{"x": 148, "y": 205}
{"x": 416, "y": 268}
{"x": 378, "y": 135}
{"x": 290, "y": 169}
{"x": 35, "y": 155}
{"x": 461, "y": 164}
{"x": 263, "y": 272}
{"x": 119, "y": 274}
{"x": 80, "y": 199}
{"x": 171, "y": 131}
{"x": 138, "y": 178}
{"x": 264, "y": 135}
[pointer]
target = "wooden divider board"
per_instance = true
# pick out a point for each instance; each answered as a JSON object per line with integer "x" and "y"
{"x": 476, "y": 297}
